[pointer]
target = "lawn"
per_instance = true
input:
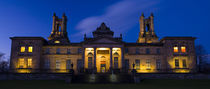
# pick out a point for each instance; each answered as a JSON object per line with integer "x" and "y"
{"x": 146, "y": 84}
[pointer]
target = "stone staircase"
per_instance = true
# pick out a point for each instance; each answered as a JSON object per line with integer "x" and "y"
{"x": 102, "y": 78}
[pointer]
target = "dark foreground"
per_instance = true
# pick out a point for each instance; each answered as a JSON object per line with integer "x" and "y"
{"x": 145, "y": 84}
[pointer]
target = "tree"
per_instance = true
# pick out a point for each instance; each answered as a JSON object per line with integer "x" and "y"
{"x": 3, "y": 63}
{"x": 200, "y": 52}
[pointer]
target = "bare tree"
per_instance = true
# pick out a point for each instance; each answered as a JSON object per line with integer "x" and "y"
{"x": 3, "y": 63}
{"x": 200, "y": 52}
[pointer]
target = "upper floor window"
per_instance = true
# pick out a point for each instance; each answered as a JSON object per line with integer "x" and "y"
{"x": 158, "y": 50}
{"x": 30, "y": 49}
{"x": 147, "y": 51}
{"x": 47, "y": 64}
{"x": 176, "y": 49}
{"x": 79, "y": 50}
{"x": 183, "y": 49}
{"x": 58, "y": 51}
{"x": 126, "y": 50}
{"x": 22, "y": 49}
{"x": 137, "y": 51}
{"x": 68, "y": 51}
{"x": 47, "y": 51}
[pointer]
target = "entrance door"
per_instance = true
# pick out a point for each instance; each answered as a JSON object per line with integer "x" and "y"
{"x": 103, "y": 64}
{"x": 103, "y": 68}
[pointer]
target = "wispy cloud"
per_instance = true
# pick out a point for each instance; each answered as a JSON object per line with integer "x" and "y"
{"x": 120, "y": 16}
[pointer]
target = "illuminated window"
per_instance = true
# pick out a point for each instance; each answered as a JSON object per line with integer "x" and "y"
{"x": 184, "y": 63}
{"x": 148, "y": 64}
{"x": 158, "y": 64}
{"x": 58, "y": 64}
{"x": 176, "y": 49}
{"x": 183, "y": 49}
{"x": 30, "y": 49}
{"x": 56, "y": 41}
{"x": 176, "y": 63}
{"x": 137, "y": 62}
{"x": 22, "y": 49}
{"x": 21, "y": 63}
{"x": 29, "y": 63}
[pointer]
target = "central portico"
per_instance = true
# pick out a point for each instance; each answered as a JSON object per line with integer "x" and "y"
{"x": 103, "y": 52}
{"x": 103, "y": 59}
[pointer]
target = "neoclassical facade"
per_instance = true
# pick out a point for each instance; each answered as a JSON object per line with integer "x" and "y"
{"x": 103, "y": 53}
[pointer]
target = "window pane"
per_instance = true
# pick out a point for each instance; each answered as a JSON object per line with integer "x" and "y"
{"x": 22, "y": 49}
{"x": 47, "y": 64}
{"x": 57, "y": 64}
{"x": 68, "y": 51}
{"x": 148, "y": 64}
{"x": 116, "y": 62}
{"x": 147, "y": 51}
{"x": 137, "y": 62}
{"x": 57, "y": 51}
{"x": 68, "y": 64}
{"x": 158, "y": 50}
{"x": 177, "y": 63}
{"x": 158, "y": 64}
{"x": 176, "y": 49}
{"x": 184, "y": 63}
{"x": 21, "y": 63}
{"x": 183, "y": 49}
{"x": 30, "y": 49}
{"x": 90, "y": 59}
{"x": 29, "y": 63}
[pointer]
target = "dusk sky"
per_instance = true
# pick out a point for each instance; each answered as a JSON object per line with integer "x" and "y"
{"x": 172, "y": 18}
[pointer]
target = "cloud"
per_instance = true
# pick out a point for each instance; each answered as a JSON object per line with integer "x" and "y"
{"x": 120, "y": 17}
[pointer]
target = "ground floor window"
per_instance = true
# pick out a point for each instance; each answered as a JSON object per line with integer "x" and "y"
{"x": 116, "y": 62}
{"x": 126, "y": 64}
{"x": 137, "y": 62}
{"x": 21, "y": 62}
{"x": 148, "y": 64}
{"x": 29, "y": 63}
{"x": 47, "y": 64}
{"x": 176, "y": 63}
{"x": 184, "y": 63}
{"x": 158, "y": 64}
{"x": 90, "y": 62}
{"x": 68, "y": 64}
{"x": 58, "y": 64}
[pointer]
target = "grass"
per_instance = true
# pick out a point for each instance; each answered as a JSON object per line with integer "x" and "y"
{"x": 146, "y": 84}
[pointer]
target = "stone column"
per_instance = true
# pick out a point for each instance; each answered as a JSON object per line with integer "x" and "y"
{"x": 110, "y": 58}
{"x": 94, "y": 59}
{"x": 122, "y": 58}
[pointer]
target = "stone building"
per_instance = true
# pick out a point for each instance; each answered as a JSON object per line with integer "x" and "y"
{"x": 103, "y": 52}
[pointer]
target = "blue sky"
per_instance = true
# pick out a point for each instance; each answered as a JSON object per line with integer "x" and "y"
{"x": 172, "y": 18}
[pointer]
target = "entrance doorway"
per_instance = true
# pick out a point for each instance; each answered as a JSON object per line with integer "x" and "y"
{"x": 103, "y": 64}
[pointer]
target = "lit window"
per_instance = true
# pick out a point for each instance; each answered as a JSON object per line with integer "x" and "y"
{"x": 58, "y": 65}
{"x": 30, "y": 49}
{"x": 57, "y": 42}
{"x": 148, "y": 64}
{"x": 21, "y": 63}
{"x": 176, "y": 49}
{"x": 22, "y": 49}
{"x": 137, "y": 62}
{"x": 29, "y": 63}
{"x": 183, "y": 49}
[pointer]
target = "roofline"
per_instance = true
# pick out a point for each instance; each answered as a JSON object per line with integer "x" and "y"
{"x": 26, "y": 38}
